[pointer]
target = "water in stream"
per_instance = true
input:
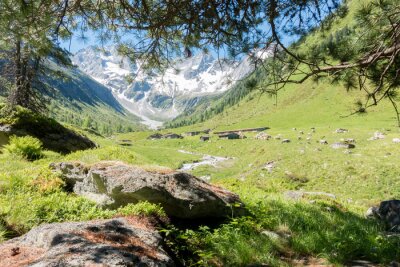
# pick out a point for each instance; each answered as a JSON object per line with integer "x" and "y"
{"x": 206, "y": 160}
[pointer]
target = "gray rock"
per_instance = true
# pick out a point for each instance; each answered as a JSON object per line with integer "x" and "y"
{"x": 349, "y": 140}
{"x": 396, "y": 140}
{"x": 204, "y": 138}
{"x": 155, "y": 136}
{"x": 377, "y": 136}
{"x": 269, "y": 166}
{"x": 113, "y": 184}
{"x": 388, "y": 212}
{"x": 341, "y": 130}
{"x": 285, "y": 141}
{"x": 323, "y": 142}
{"x": 272, "y": 235}
{"x": 339, "y": 145}
{"x": 115, "y": 242}
{"x": 263, "y": 136}
{"x": 172, "y": 136}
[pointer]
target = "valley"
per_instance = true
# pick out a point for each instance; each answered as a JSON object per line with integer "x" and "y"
{"x": 159, "y": 96}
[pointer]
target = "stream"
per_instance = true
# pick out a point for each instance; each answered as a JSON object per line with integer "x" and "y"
{"x": 206, "y": 160}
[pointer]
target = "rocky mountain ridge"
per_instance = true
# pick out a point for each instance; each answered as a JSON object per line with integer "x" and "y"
{"x": 157, "y": 96}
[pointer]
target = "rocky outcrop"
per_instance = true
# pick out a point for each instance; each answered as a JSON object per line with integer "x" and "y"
{"x": 130, "y": 241}
{"x": 114, "y": 184}
{"x": 53, "y": 135}
{"x": 388, "y": 212}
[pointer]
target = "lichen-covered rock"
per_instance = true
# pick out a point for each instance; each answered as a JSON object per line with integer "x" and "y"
{"x": 128, "y": 241}
{"x": 114, "y": 184}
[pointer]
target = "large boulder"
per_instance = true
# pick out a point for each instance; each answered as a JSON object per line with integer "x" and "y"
{"x": 114, "y": 184}
{"x": 388, "y": 212}
{"x": 128, "y": 241}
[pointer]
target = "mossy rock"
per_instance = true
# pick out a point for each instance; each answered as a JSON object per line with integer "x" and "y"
{"x": 53, "y": 135}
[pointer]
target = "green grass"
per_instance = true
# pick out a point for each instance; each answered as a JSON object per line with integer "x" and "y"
{"x": 320, "y": 228}
{"x": 316, "y": 227}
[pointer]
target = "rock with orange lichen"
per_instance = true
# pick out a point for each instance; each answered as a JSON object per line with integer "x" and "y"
{"x": 114, "y": 184}
{"x": 112, "y": 242}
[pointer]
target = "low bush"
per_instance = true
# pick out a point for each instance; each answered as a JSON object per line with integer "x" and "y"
{"x": 26, "y": 147}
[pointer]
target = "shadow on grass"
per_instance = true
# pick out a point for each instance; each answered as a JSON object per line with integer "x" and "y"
{"x": 326, "y": 229}
{"x": 280, "y": 232}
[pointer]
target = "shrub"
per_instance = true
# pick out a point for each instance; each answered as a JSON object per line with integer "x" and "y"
{"x": 26, "y": 147}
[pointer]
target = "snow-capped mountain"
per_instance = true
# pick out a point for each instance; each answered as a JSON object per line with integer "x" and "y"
{"x": 160, "y": 96}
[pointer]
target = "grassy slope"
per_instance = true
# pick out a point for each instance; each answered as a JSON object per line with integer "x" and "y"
{"x": 331, "y": 229}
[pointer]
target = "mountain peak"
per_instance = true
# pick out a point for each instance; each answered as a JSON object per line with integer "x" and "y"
{"x": 156, "y": 96}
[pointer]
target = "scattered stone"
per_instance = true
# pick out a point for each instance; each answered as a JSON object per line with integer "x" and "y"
{"x": 301, "y": 132}
{"x": 299, "y": 138}
{"x": 205, "y": 178}
{"x": 269, "y": 166}
{"x": 396, "y": 140}
{"x": 388, "y": 212}
{"x": 323, "y": 142}
{"x": 230, "y": 136}
{"x": 263, "y": 136}
{"x": 172, "y": 136}
{"x": 242, "y": 136}
{"x": 285, "y": 141}
{"x": 341, "y": 130}
{"x": 377, "y": 136}
{"x": 130, "y": 241}
{"x": 193, "y": 133}
{"x": 349, "y": 141}
{"x": 347, "y": 151}
{"x": 308, "y": 138}
{"x": 114, "y": 184}
{"x": 339, "y": 145}
{"x": 155, "y": 136}
{"x": 294, "y": 129}
{"x": 271, "y": 235}
{"x": 313, "y": 129}
{"x": 204, "y": 138}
